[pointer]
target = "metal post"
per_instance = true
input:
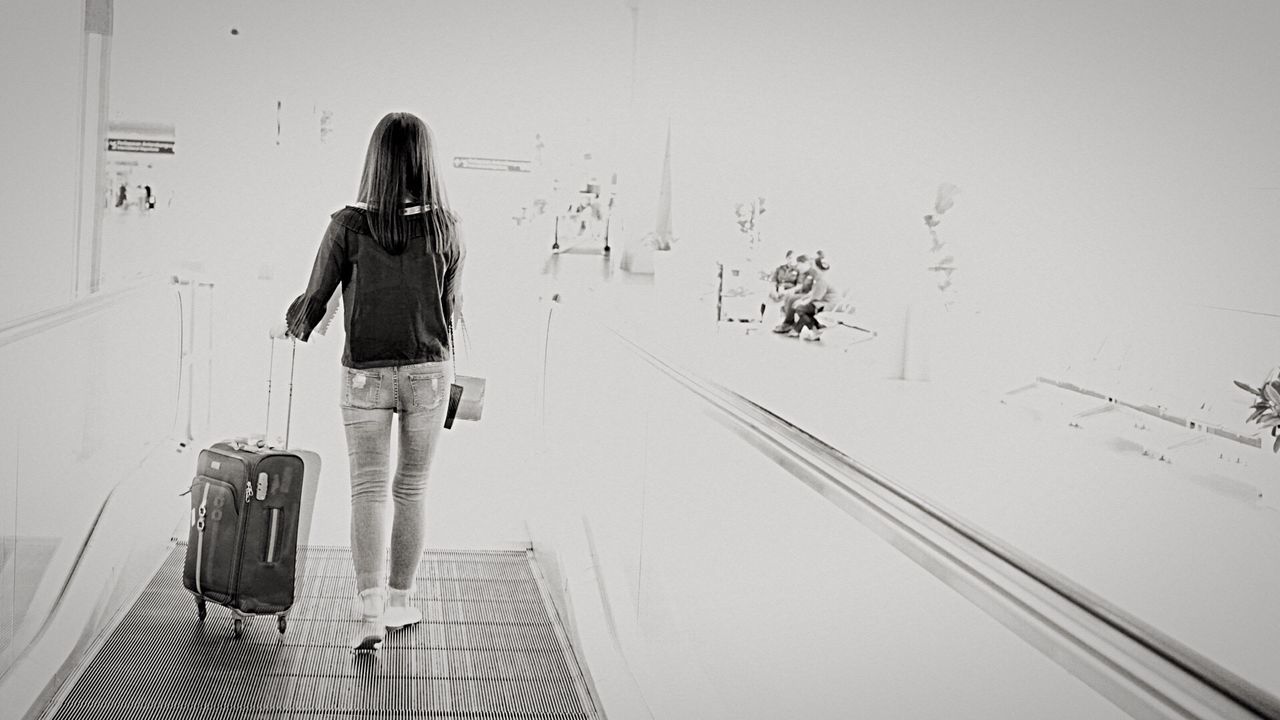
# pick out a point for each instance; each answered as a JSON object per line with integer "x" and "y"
{"x": 208, "y": 357}
{"x": 719, "y": 292}
{"x": 95, "y": 73}
{"x": 288, "y": 417}
{"x": 271, "y": 363}
{"x": 634, "y": 7}
{"x": 190, "y": 363}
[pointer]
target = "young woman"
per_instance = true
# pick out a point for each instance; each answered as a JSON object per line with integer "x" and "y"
{"x": 398, "y": 256}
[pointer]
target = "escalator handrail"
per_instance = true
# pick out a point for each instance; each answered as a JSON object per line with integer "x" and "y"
{"x": 1141, "y": 668}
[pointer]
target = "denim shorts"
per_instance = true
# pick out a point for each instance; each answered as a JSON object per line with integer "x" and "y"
{"x": 421, "y": 387}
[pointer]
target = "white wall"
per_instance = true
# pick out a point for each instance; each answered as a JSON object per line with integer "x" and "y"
{"x": 1105, "y": 151}
{"x": 487, "y": 77}
{"x": 1113, "y": 159}
{"x": 41, "y": 47}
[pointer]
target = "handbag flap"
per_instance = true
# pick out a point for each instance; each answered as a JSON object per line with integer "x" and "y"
{"x": 472, "y": 403}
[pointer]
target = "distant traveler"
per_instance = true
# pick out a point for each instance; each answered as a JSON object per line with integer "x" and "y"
{"x": 809, "y": 304}
{"x": 784, "y": 278}
{"x": 398, "y": 256}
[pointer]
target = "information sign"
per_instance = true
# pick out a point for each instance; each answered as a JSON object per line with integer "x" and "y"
{"x": 163, "y": 147}
{"x": 479, "y": 163}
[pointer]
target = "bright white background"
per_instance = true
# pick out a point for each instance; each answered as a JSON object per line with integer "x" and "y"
{"x": 1112, "y": 159}
{"x": 1115, "y": 161}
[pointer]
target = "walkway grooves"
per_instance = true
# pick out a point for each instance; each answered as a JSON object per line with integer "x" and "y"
{"x": 488, "y": 647}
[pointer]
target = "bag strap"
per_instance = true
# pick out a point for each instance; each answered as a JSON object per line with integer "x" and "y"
{"x": 453, "y": 347}
{"x": 453, "y": 353}
{"x": 466, "y": 336}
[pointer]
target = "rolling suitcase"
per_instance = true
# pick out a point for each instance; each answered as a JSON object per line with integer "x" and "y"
{"x": 250, "y": 505}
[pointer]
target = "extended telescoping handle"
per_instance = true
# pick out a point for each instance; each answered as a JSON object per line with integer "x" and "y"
{"x": 271, "y": 366}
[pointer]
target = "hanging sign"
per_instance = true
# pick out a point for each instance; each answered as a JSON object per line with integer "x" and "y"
{"x": 163, "y": 147}
{"x": 479, "y": 163}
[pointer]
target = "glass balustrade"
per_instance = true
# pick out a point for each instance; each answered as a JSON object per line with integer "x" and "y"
{"x": 90, "y": 392}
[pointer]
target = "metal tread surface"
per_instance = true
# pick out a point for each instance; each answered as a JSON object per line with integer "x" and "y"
{"x": 490, "y": 646}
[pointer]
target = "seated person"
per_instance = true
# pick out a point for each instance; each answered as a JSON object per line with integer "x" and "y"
{"x": 784, "y": 278}
{"x": 815, "y": 301}
{"x": 788, "y": 297}
{"x": 805, "y": 306}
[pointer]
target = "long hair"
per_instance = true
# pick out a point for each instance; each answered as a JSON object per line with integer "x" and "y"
{"x": 400, "y": 168}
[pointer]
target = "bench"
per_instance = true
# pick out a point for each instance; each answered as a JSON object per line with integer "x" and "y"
{"x": 840, "y": 316}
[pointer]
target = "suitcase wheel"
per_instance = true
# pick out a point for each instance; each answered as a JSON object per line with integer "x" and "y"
{"x": 200, "y": 608}
{"x": 282, "y": 622}
{"x": 237, "y": 627}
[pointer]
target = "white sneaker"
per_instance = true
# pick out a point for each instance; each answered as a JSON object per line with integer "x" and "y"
{"x": 399, "y": 611}
{"x": 371, "y": 604}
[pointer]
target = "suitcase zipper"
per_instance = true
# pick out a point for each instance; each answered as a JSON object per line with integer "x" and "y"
{"x": 204, "y": 501}
{"x": 250, "y": 469}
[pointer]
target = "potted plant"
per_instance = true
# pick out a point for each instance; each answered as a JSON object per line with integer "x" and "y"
{"x": 923, "y": 306}
{"x": 939, "y": 262}
{"x": 1266, "y": 406}
{"x": 747, "y": 214}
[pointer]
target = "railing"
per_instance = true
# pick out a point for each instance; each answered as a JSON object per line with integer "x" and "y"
{"x": 1177, "y": 362}
{"x": 681, "y": 537}
{"x": 196, "y": 298}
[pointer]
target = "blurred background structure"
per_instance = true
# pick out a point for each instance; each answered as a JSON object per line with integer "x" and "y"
{"x": 1043, "y": 416}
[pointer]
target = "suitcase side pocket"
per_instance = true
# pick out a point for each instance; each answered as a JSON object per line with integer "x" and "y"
{"x": 269, "y": 559}
{"x": 214, "y": 534}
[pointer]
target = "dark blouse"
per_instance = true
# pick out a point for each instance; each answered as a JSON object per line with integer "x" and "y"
{"x": 397, "y": 308}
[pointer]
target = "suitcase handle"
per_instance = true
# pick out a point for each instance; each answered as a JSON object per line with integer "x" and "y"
{"x": 273, "y": 538}
{"x": 271, "y": 364}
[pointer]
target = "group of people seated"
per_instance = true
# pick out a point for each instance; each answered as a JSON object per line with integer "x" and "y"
{"x": 800, "y": 284}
